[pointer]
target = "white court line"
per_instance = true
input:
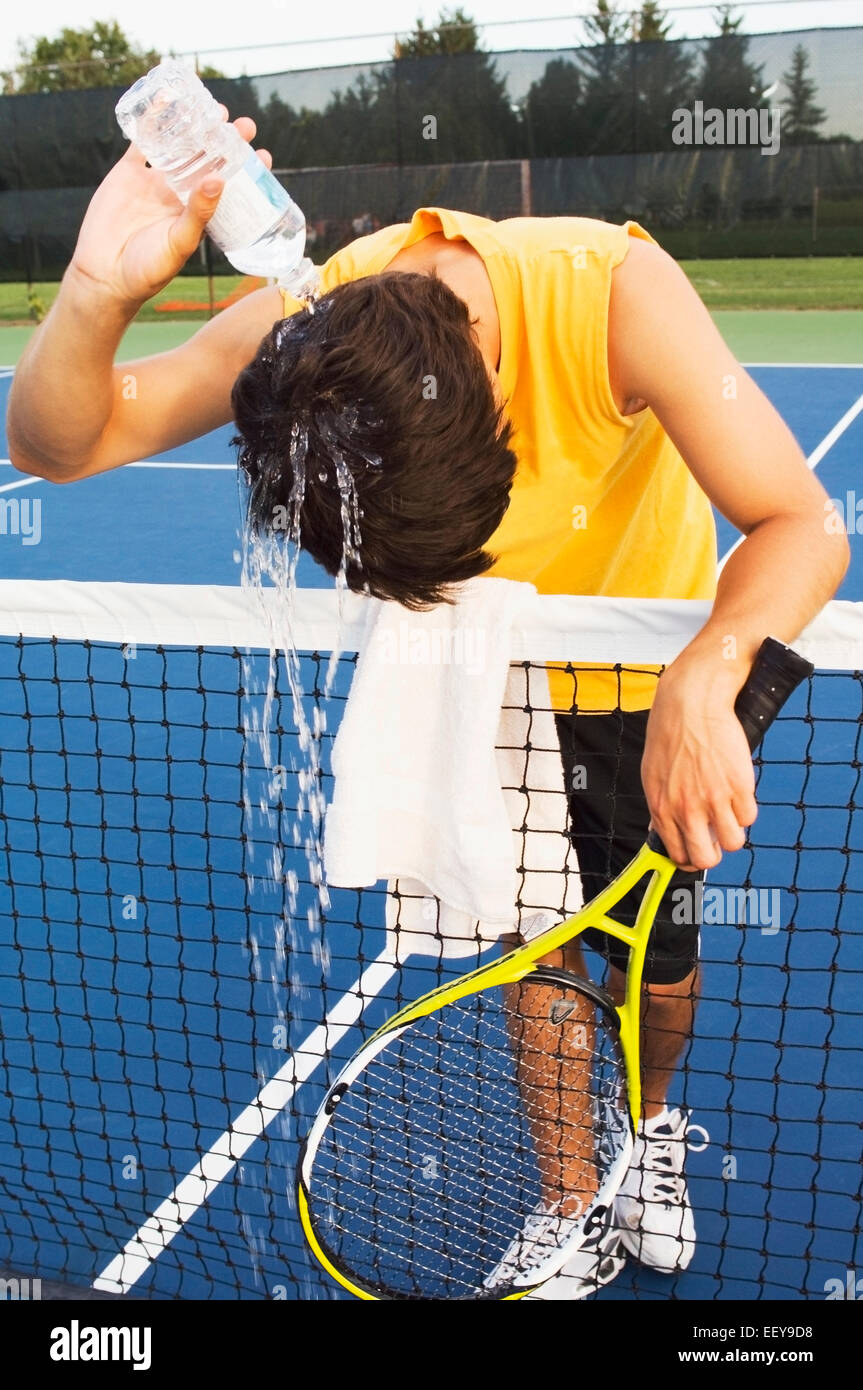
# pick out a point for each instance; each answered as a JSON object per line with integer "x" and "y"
{"x": 210, "y": 467}
{"x": 838, "y": 429}
{"x": 813, "y": 460}
{"x": 22, "y": 482}
{"x": 809, "y": 366}
{"x": 131, "y": 1264}
{"x": 162, "y": 463}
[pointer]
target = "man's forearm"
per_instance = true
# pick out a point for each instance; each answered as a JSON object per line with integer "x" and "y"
{"x": 62, "y": 393}
{"x": 774, "y": 584}
{"x": 697, "y": 770}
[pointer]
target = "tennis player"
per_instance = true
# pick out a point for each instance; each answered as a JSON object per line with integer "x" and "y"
{"x": 554, "y": 404}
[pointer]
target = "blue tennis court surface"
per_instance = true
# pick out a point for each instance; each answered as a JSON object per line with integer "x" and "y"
{"x": 146, "y": 996}
{"x": 179, "y": 525}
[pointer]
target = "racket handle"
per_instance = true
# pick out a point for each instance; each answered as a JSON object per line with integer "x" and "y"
{"x": 776, "y": 673}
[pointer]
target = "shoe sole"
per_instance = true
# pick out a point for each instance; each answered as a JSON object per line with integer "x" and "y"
{"x": 610, "y": 1265}
{"x": 677, "y": 1268}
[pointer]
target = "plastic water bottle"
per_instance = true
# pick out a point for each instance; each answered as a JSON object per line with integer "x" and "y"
{"x": 178, "y": 127}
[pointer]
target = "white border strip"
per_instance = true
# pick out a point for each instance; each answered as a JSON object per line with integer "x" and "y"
{"x": 125, "y": 1269}
{"x": 555, "y": 627}
{"x": 196, "y": 615}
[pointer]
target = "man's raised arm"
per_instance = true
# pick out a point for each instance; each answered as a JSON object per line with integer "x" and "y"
{"x": 72, "y": 412}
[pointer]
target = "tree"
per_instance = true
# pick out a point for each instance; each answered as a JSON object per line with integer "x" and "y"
{"x": 358, "y": 126}
{"x": 607, "y": 25}
{"x": 631, "y": 89}
{"x": 239, "y": 94}
{"x": 800, "y": 116}
{"x": 650, "y": 24}
{"x": 552, "y": 112}
{"x": 101, "y": 56}
{"x": 727, "y": 79}
{"x": 442, "y": 99}
{"x": 439, "y": 99}
{"x": 663, "y": 79}
{"x": 621, "y": 96}
{"x": 607, "y": 105}
{"x": 724, "y": 16}
{"x": 453, "y": 33}
{"x": 664, "y": 83}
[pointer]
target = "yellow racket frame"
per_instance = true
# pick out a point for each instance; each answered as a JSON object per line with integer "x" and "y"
{"x": 522, "y": 961}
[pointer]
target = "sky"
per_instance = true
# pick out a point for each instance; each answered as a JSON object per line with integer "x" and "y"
{"x": 301, "y": 36}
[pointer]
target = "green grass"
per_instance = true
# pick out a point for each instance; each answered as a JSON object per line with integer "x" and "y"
{"x": 779, "y": 283}
{"x": 776, "y": 310}
{"x": 14, "y": 306}
{"x": 772, "y": 283}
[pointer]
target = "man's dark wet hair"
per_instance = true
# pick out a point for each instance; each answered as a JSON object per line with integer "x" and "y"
{"x": 386, "y": 373}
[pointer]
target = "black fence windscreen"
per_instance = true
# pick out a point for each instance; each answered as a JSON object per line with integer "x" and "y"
{"x": 738, "y": 145}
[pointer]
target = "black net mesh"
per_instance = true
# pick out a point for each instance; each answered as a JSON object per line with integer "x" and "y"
{"x": 175, "y": 1002}
{"x": 574, "y": 131}
{"x": 474, "y": 1145}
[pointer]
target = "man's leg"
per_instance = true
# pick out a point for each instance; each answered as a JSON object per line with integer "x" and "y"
{"x": 556, "y": 1095}
{"x": 666, "y": 1026}
{"x": 609, "y": 815}
{"x": 652, "y": 1208}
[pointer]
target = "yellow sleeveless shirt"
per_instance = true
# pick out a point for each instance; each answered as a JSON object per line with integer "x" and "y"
{"x": 601, "y": 503}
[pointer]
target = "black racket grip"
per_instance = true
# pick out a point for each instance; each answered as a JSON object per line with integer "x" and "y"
{"x": 776, "y": 673}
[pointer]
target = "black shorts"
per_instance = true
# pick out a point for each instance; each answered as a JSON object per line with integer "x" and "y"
{"x": 609, "y": 819}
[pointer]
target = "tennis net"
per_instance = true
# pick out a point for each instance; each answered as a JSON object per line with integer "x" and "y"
{"x": 175, "y": 998}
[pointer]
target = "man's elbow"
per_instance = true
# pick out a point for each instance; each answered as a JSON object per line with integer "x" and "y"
{"x": 836, "y": 530}
{"x": 52, "y": 470}
{"x": 843, "y": 557}
{"x": 833, "y": 548}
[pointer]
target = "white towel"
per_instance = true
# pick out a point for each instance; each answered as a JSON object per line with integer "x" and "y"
{"x": 423, "y": 798}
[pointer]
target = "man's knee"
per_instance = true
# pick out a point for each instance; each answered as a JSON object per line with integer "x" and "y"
{"x": 687, "y": 988}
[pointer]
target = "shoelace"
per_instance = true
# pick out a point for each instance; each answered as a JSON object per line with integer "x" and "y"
{"x": 541, "y": 1229}
{"x": 662, "y": 1177}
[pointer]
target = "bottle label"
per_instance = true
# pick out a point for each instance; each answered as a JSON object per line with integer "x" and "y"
{"x": 252, "y": 201}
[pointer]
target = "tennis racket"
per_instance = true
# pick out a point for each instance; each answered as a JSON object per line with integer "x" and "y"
{"x": 473, "y": 1142}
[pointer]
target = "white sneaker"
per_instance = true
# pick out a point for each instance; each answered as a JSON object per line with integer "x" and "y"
{"x": 652, "y": 1207}
{"x": 598, "y": 1260}
{"x": 543, "y": 1233}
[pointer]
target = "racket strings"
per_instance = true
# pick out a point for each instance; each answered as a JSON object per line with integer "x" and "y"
{"x": 546, "y": 1097}
{"x": 403, "y": 1210}
{"x": 462, "y": 1129}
